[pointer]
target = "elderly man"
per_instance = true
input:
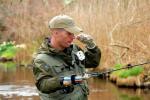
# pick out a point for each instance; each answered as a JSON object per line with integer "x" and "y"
{"x": 58, "y": 63}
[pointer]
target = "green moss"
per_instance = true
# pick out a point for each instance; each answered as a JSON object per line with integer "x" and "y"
{"x": 131, "y": 72}
{"x": 8, "y": 50}
{"x": 117, "y": 66}
{"x": 124, "y": 73}
{"x": 136, "y": 70}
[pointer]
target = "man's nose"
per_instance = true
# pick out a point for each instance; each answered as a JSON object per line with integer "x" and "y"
{"x": 74, "y": 37}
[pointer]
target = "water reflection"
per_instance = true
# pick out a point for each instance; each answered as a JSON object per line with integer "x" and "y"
{"x": 106, "y": 90}
{"x": 9, "y": 66}
{"x": 17, "y": 83}
{"x": 20, "y": 90}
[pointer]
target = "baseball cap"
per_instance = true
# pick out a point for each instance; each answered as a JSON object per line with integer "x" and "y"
{"x": 65, "y": 22}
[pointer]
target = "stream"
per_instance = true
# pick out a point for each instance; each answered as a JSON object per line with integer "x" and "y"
{"x": 17, "y": 83}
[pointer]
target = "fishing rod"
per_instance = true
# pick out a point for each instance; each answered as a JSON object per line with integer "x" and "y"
{"x": 97, "y": 74}
{"x": 79, "y": 78}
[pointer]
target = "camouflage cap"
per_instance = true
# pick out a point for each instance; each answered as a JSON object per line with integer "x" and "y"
{"x": 65, "y": 22}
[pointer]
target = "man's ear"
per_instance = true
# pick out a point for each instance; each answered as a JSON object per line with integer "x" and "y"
{"x": 56, "y": 32}
{"x": 53, "y": 32}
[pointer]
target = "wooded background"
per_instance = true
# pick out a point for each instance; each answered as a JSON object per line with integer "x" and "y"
{"x": 121, "y": 28}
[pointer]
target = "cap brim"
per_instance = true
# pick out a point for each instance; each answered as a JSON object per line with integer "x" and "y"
{"x": 74, "y": 30}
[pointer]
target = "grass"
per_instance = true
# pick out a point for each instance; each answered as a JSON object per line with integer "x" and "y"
{"x": 8, "y": 50}
{"x": 134, "y": 71}
{"x": 119, "y": 27}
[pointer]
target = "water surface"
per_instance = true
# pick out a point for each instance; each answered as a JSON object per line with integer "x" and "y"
{"x": 17, "y": 83}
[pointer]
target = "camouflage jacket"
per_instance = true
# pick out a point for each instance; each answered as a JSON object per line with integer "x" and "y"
{"x": 50, "y": 65}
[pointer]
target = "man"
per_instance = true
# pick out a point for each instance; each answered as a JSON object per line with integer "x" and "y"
{"x": 59, "y": 64}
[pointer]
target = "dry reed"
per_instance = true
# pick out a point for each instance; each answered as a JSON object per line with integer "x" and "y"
{"x": 119, "y": 27}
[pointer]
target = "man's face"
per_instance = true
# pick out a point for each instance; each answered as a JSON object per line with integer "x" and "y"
{"x": 64, "y": 38}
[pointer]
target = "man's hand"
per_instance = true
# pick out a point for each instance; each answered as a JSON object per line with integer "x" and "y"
{"x": 67, "y": 81}
{"x": 73, "y": 79}
{"x": 86, "y": 39}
